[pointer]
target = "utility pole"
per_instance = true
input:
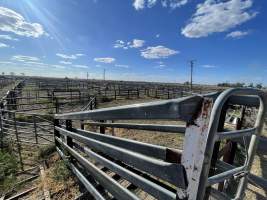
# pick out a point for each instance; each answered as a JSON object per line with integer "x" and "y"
{"x": 104, "y": 74}
{"x": 191, "y": 74}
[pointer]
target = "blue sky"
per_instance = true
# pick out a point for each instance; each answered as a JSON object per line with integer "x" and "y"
{"x": 147, "y": 40}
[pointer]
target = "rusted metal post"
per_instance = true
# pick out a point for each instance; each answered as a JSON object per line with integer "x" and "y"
{"x": 195, "y": 142}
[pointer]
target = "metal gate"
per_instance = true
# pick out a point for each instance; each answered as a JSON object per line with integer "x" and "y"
{"x": 112, "y": 167}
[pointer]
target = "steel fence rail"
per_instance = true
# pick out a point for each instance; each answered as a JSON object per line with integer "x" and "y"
{"x": 147, "y": 127}
{"x": 190, "y": 170}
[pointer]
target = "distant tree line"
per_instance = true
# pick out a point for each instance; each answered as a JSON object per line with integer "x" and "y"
{"x": 238, "y": 84}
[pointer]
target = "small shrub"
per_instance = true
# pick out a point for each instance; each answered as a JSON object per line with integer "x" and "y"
{"x": 8, "y": 168}
{"x": 46, "y": 151}
{"x": 24, "y": 118}
{"x": 61, "y": 171}
{"x": 104, "y": 99}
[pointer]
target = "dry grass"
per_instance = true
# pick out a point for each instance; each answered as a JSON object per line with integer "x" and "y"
{"x": 66, "y": 188}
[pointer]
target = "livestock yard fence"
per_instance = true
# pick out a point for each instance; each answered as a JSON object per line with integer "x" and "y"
{"x": 157, "y": 172}
{"x": 214, "y": 162}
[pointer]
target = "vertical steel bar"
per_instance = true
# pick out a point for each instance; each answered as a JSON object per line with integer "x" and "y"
{"x": 2, "y": 131}
{"x": 102, "y": 128}
{"x": 18, "y": 141}
{"x": 35, "y": 129}
{"x": 69, "y": 128}
{"x": 56, "y": 132}
{"x": 216, "y": 148}
{"x": 252, "y": 148}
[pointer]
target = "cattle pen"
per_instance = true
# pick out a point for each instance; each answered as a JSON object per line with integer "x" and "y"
{"x": 219, "y": 135}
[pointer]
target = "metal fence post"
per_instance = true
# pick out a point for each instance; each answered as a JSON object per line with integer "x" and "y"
{"x": 69, "y": 128}
{"x": 82, "y": 124}
{"x": 2, "y": 131}
{"x": 35, "y": 129}
{"x": 102, "y": 128}
{"x": 18, "y": 142}
{"x": 56, "y": 132}
{"x": 57, "y": 105}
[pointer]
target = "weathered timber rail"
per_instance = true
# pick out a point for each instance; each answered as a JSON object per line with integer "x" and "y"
{"x": 159, "y": 172}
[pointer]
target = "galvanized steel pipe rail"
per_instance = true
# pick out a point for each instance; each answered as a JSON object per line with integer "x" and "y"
{"x": 185, "y": 171}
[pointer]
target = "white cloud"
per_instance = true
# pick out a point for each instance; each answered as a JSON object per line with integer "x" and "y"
{"x": 217, "y": 16}
{"x": 151, "y": 3}
{"x": 209, "y": 66}
{"x": 73, "y": 56}
{"x": 11, "y": 21}
{"x": 158, "y": 52}
{"x": 177, "y": 3}
{"x": 122, "y": 66}
{"x": 81, "y": 66}
{"x": 22, "y": 58}
{"x": 237, "y": 34}
{"x": 5, "y": 62}
{"x": 65, "y": 62}
{"x": 141, "y": 4}
{"x": 158, "y": 35}
{"x": 136, "y": 43}
{"x": 119, "y": 44}
{"x": 79, "y": 54}
{"x": 7, "y": 37}
{"x": 66, "y": 56}
{"x": 105, "y": 60}
{"x": 3, "y": 45}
